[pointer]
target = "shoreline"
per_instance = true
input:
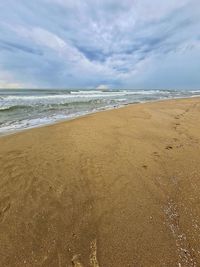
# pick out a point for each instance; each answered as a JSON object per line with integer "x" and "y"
{"x": 115, "y": 188}
{"x": 90, "y": 113}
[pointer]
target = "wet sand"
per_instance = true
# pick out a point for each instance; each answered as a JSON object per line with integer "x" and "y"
{"x": 113, "y": 189}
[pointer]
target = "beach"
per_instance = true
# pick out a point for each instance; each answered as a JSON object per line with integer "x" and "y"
{"x": 112, "y": 189}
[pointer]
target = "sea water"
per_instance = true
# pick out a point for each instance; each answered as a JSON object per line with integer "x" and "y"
{"x": 27, "y": 108}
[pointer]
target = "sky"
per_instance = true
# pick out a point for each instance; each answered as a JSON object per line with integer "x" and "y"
{"x": 100, "y": 44}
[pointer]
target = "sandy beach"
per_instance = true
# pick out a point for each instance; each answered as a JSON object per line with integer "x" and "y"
{"x": 113, "y": 189}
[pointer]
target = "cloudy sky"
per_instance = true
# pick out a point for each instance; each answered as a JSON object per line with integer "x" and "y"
{"x": 100, "y": 43}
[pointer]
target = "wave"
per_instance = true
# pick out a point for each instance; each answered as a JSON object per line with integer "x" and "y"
{"x": 14, "y": 108}
{"x": 81, "y": 94}
{"x": 58, "y": 106}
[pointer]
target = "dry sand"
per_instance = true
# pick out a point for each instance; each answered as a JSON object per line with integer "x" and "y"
{"x": 117, "y": 188}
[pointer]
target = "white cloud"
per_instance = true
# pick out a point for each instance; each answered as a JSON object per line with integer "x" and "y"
{"x": 102, "y": 87}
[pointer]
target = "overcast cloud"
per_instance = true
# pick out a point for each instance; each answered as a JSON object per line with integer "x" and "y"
{"x": 100, "y": 43}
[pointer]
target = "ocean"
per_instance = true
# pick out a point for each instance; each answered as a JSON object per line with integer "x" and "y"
{"x": 27, "y": 108}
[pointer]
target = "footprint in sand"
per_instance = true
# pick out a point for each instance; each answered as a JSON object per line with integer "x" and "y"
{"x": 168, "y": 147}
{"x": 144, "y": 167}
{"x": 4, "y": 210}
{"x": 76, "y": 262}
{"x": 156, "y": 154}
